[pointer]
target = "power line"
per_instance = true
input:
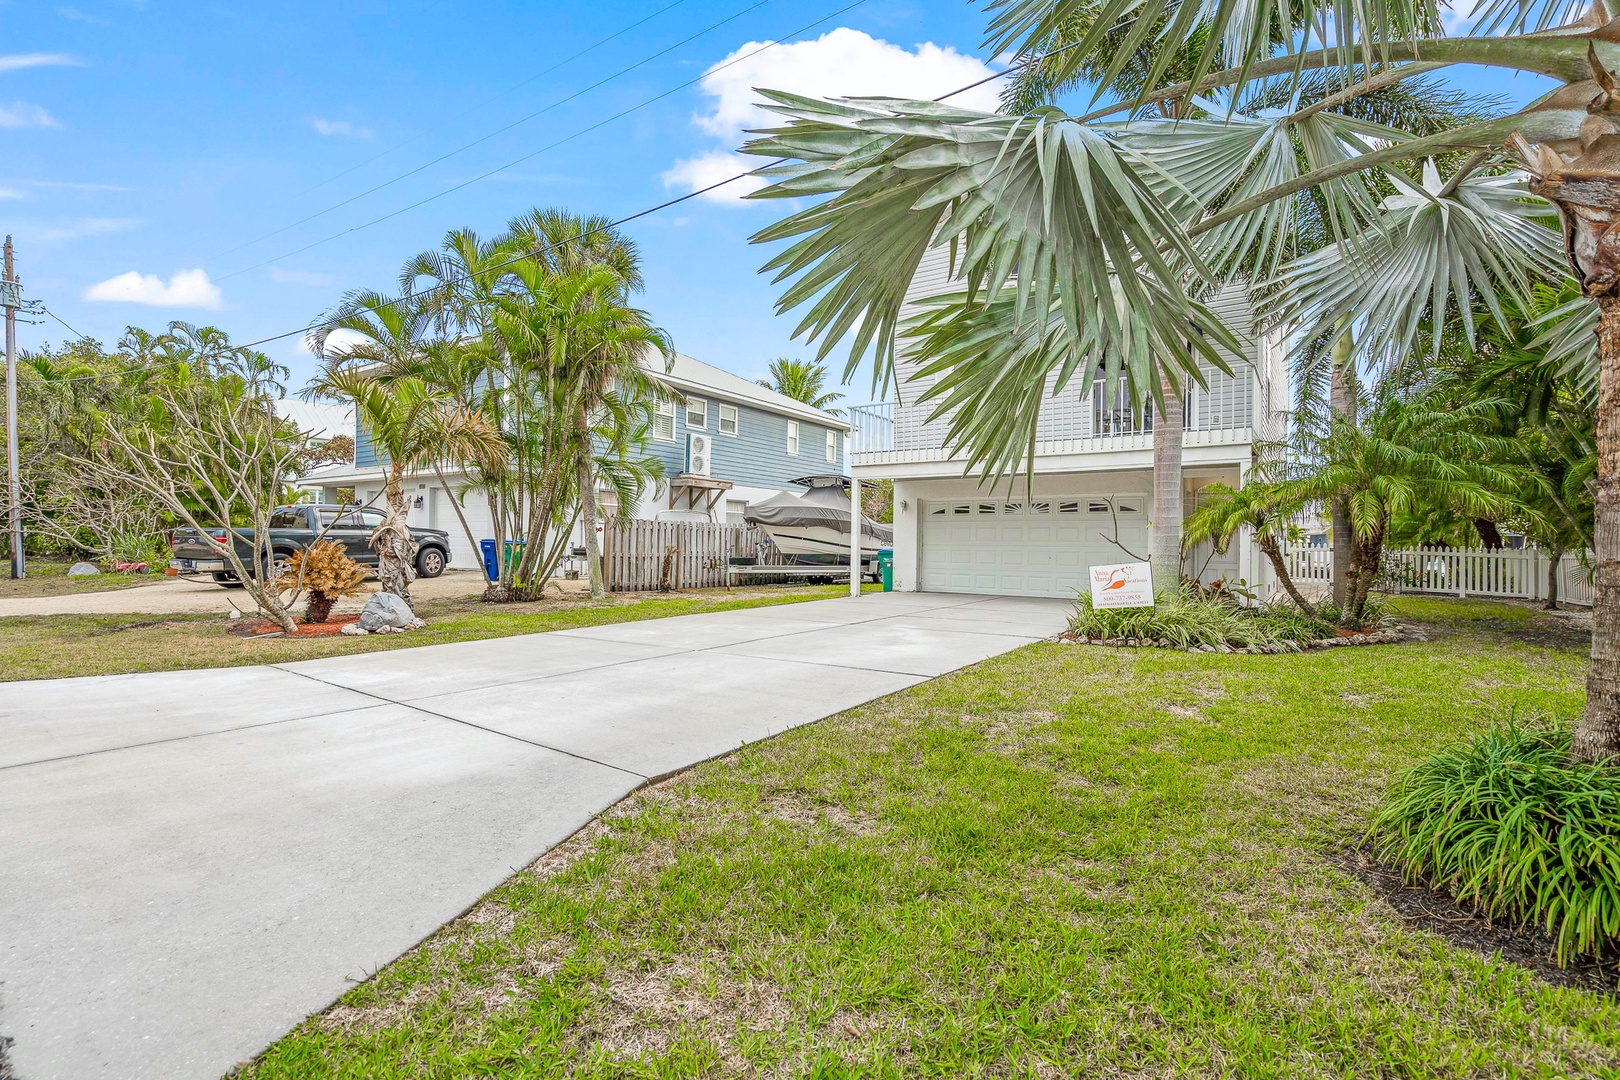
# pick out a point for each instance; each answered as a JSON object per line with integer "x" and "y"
{"x": 498, "y": 131}
{"x": 307, "y": 330}
{"x": 77, "y": 336}
{"x": 544, "y": 149}
{"x": 489, "y": 100}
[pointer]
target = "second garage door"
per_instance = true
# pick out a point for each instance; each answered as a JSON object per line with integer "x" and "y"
{"x": 1027, "y": 548}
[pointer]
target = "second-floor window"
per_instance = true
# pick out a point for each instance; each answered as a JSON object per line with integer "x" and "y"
{"x": 727, "y": 420}
{"x": 663, "y": 422}
{"x": 697, "y": 414}
{"x": 832, "y": 446}
{"x": 793, "y": 437}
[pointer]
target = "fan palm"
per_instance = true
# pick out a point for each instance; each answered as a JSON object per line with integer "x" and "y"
{"x": 802, "y": 380}
{"x": 1105, "y": 248}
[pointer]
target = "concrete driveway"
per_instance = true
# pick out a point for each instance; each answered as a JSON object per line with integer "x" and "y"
{"x": 192, "y": 862}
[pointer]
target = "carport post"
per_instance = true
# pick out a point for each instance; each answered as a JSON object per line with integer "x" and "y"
{"x": 854, "y": 531}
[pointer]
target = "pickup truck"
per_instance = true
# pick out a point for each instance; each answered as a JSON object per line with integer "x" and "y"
{"x": 293, "y": 528}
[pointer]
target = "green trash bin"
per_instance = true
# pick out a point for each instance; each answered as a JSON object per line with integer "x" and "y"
{"x": 886, "y": 566}
{"x": 514, "y": 553}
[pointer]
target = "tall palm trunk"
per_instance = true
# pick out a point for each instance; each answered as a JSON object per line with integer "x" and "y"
{"x": 1557, "y": 555}
{"x": 393, "y": 543}
{"x": 587, "y": 513}
{"x": 1597, "y": 736}
{"x": 1583, "y": 184}
{"x": 1342, "y": 406}
{"x": 1165, "y": 547}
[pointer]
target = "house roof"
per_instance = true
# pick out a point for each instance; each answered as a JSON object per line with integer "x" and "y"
{"x": 696, "y": 377}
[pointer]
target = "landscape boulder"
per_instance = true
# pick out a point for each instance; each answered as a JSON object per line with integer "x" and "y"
{"x": 83, "y": 569}
{"x": 387, "y": 611}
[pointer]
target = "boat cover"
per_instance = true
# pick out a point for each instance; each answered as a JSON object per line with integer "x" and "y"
{"x": 825, "y": 505}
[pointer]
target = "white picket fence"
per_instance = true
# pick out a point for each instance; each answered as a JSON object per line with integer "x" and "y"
{"x": 1514, "y": 574}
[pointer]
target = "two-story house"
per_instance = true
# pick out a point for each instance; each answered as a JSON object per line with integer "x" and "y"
{"x": 724, "y": 442}
{"x": 1093, "y": 476}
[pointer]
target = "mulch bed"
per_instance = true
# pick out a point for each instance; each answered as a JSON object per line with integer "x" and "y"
{"x": 1530, "y": 947}
{"x": 252, "y": 628}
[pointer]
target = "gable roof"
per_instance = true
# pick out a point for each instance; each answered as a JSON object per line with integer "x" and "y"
{"x": 697, "y": 378}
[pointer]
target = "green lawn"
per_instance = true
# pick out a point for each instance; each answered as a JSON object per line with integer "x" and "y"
{"x": 1065, "y": 862}
{"x": 59, "y": 646}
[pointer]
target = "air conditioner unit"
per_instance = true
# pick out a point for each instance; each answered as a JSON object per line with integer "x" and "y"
{"x": 698, "y": 459}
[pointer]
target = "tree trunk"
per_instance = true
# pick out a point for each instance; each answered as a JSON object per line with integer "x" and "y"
{"x": 1371, "y": 553}
{"x": 1597, "y": 736}
{"x": 393, "y": 543}
{"x": 1552, "y": 579}
{"x": 1342, "y": 406}
{"x": 587, "y": 509}
{"x": 1164, "y": 549}
{"x": 1489, "y": 535}
{"x": 1273, "y": 551}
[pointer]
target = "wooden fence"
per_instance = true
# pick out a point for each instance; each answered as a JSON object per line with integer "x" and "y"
{"x": 647, "y": 555}
{"x": 1517, "y": 574}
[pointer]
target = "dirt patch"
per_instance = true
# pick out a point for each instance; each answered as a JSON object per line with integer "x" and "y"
{"x": 252, "y": 628}
{"x": 1530, "y": 948}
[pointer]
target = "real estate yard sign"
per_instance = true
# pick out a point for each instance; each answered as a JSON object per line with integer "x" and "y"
{"x": 1123, "y": 585}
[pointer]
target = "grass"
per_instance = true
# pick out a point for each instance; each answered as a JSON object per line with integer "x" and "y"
{"x": 48, "y": 577}
{"x": 61, "y": 646}
{"x": 1063, "y": 862}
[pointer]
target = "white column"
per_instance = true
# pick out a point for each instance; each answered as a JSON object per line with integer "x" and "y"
{"x": 854, "y": 531}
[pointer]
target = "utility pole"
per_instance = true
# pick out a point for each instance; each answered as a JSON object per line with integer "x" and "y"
{"x": 11, "y": 299}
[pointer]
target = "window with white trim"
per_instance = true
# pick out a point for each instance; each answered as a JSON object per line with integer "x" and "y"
{"x": 663, "y": 421}
{"x": 726, "y": 422}
{"x": 697, "y": 414}
{"x": 793, "y": 437}
{"x": 832, "y": 446}
{"x": 735, "y": 509}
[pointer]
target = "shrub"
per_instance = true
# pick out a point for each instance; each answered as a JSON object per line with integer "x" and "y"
{"x": 1507, "y": 823}
{"x": 326, "y": 570}
{"x": 1185, "y": 618}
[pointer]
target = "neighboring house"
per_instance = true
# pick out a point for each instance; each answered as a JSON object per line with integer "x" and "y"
{"x": 724, "y": 442}
{"x": 1093, "y": 479}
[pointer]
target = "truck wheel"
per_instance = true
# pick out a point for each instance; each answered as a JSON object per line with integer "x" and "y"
{"x": 429, "y": 563}
{"x": 228, "y": 581}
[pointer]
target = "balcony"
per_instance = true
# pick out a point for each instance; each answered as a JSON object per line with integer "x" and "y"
{"x": 884, "y": 434}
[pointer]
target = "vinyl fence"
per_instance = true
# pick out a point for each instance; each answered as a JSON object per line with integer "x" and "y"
{"x": 642, "y": 556}
{"x": 1515, "y": 574}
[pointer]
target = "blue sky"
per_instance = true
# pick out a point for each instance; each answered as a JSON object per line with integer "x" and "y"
{"x": 147, "y": 147}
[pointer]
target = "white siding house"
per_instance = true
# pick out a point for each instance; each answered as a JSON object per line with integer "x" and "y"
{"x": 1092, "y": 485}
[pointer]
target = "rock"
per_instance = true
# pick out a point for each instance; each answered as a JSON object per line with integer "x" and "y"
{"x": 354, "y": 630}
{"x": 83, "y": 569}
{"x": 386, "y": 611}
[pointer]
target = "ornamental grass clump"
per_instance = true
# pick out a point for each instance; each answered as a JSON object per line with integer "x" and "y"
{"x": 1187, "y": 620}
{"x": 326, "y": 570}
{"x": 1508, "y": 823}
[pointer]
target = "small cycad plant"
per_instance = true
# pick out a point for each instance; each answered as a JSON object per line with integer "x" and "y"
{"x": 1508, "y": 823}
{"x": 326, "y": 570}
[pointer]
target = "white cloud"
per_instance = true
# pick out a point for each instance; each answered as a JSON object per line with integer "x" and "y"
{"x": 22, "y": 61}
{"x": 75, "y": 15}
{"x": 705, "y": 170}
{"x": 336, "y": 342}
{"x": 85, "y": 227}
{"x": 25, "y": 114}
{"x": 12, "y": 193}
{"x": 301, "y": 277}
{"x": 840, "y": 63}
{"x": 341, "y": 128}
{"x": 186, "y": 289}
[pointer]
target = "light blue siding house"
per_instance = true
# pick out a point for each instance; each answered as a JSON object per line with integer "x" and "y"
{"x": 725, "y": 441}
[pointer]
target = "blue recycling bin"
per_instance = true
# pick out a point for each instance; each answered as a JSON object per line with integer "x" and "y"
{"x": 492, "y": 559}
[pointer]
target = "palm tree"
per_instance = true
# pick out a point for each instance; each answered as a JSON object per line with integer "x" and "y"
{"x": 411, "y": 425}
{"x": 802, "y": 380}
{"x": 1097, "y": 237}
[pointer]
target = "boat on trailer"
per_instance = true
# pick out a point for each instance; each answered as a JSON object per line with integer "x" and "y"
{"x": 813, "y": 529}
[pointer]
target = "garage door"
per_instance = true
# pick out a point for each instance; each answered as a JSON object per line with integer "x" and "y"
{"x": 1022, "y": 548}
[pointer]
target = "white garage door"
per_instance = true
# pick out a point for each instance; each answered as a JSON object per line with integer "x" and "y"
{"x": 1021, "y": 548}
